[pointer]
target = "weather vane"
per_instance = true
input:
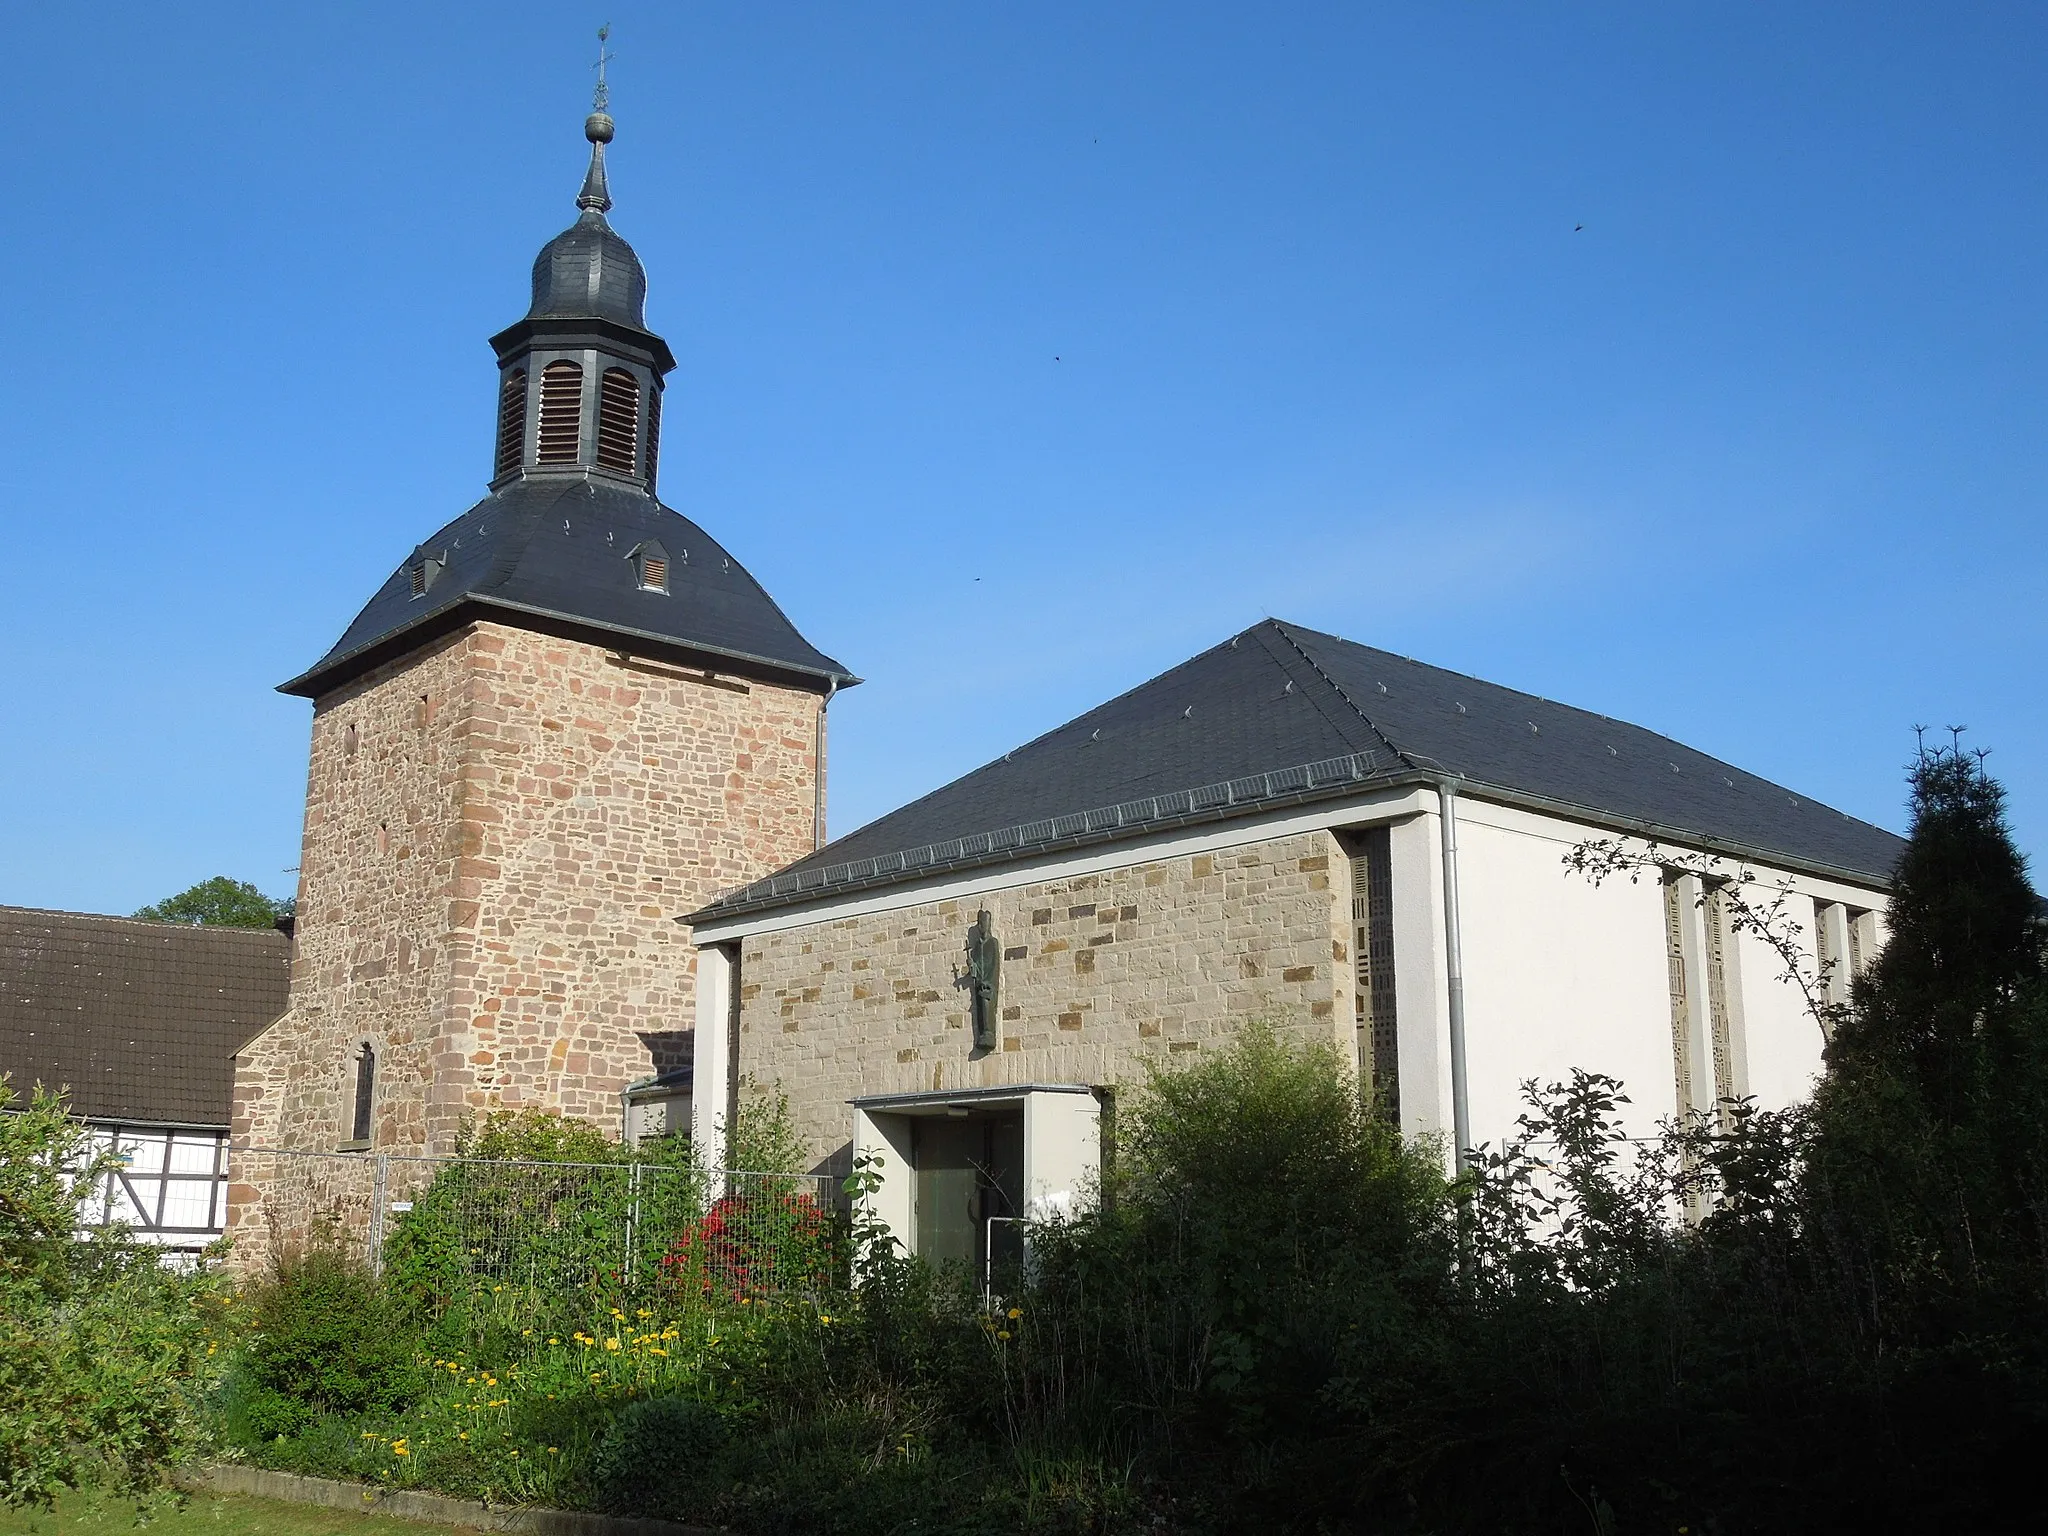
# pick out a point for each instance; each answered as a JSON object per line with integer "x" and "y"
{"x": 602, "y": 96}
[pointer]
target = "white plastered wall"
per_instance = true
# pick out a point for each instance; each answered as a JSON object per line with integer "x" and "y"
{"x": 1421, "y": 1006}
{"x": 1560, "y": 973}
{"x": 1062, "y": 1153}
{"x": 713, "y": 1059}
{"x": 885, "y": 1140}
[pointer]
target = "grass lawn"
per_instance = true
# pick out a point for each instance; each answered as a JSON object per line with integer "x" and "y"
{"x": 203, "y": 1515}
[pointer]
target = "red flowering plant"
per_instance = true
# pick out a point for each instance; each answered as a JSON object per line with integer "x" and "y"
{"x": 763, "y": 1238}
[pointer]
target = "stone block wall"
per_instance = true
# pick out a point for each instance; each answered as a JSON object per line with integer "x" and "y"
{"x": 500, "y": 833}
{"x": 1100, "y": 973}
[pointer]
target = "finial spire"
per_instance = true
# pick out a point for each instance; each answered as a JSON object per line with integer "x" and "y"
{"x": 602, "y": 96}
{"x": 596, "y": 197}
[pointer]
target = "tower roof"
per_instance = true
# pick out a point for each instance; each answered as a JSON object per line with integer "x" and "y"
{"x": 563, "y": 540}
{"x": 588, "y": 271}
{"x": 557, "y": 554}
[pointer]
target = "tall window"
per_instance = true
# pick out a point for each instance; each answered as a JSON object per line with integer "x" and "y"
{"x": 511, "y": 421}
{"x": 618, "y": 419}
{"x": 561, "y": 413}
{"x": 1724, "y": 1003}
{"x": 1683, "y": 1067}
{"x": 366, "y": 1089}
{"x": 1844, "y": 942}
{"x": 1372, "y": 949}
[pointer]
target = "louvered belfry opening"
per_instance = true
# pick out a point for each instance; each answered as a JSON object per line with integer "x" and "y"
{"x": 618, "y": 419}
{"x": 561, "y": 413}
{"x": 653, "y": 436}
{"x": 511, "y": 422}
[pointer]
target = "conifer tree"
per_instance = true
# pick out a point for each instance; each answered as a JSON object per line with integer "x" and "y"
{"x": 1940, "y": 1004}
{"x": 1928, "y": 1176}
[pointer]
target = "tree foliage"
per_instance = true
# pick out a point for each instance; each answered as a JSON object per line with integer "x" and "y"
{"x": 220, "y": 903}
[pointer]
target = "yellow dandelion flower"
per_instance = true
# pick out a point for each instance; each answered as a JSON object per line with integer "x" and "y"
{"x": 554, "y": 1450}
{"x": 554, "y": 1341}
{"x": 1002, "y": 1333}
{"x": 1015, "y": 1313}
{"x": 612, "y": 1345}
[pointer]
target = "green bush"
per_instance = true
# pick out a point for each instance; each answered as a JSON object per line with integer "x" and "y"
{"x": 104, "y": 1353}
{"x": 326, "y": 1340}
{"x": 545, "y": 1223}
{"x": 1267, "y": 1247}
{"x": 663, "y": 1457}
{"x": 764, "y": 1137}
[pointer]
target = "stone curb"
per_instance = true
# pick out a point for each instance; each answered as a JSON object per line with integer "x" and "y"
{"x": 428, "y": 1508}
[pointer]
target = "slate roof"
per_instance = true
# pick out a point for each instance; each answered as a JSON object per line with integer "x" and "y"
{"x": 140, "y": 1020}
{"x": 554, "y": 548}
{"x": 1281, "y": 714}
{"x": 589, "y": 270}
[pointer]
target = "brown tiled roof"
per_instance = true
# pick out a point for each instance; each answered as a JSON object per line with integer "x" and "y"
{"x": 139, "y": 1020}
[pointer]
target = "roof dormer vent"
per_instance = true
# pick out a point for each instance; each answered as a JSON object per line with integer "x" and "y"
{"x": 650, "y": 566}
{"x": 426, "y": 570}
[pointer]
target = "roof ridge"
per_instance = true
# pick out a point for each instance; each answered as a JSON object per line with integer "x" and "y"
{"x": 1487, "y": 682}
{"x": 12, "y": 913}
{"x": 510, "y": 555}
{"x": 1338, "y": 689}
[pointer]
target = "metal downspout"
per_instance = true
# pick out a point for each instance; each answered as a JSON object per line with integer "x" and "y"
{"x": 818, "y": 769}
{"x": 1454, "y": 970}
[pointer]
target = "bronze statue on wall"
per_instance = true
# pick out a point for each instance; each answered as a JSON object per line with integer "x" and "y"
{"x": 984, "y": 970}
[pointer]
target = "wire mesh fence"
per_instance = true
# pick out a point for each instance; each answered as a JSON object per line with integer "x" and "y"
{"x": 444, "y": 1225}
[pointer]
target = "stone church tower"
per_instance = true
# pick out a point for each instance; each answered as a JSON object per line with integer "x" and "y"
{"x": 565, "y": 719}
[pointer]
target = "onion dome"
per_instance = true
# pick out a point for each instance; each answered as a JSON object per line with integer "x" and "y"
{"x": 588, "y": 271}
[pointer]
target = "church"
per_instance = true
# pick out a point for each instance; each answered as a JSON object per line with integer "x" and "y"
{"x": 562, "y": 848}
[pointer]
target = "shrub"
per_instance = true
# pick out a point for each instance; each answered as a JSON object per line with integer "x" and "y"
{"x": 326, "y": 1341}
{"x": 103, "y": 1352}
{"x": 764, "y": 1137}
{"x": 753, "y": 1243}
{"x": 1267, "y": 1244}
{"x": 545, "y": 1220}
{"x": 662, "y": 1458}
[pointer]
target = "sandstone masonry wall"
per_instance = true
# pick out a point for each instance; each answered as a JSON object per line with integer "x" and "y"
{"x": 1100, "y": 973}
{"x": 500, "y": 833}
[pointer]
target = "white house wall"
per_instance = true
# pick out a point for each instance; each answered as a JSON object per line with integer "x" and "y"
{"x": 1560, "y": 973}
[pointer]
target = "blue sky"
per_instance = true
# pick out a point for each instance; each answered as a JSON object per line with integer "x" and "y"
{"x": 1028, "y": 349}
